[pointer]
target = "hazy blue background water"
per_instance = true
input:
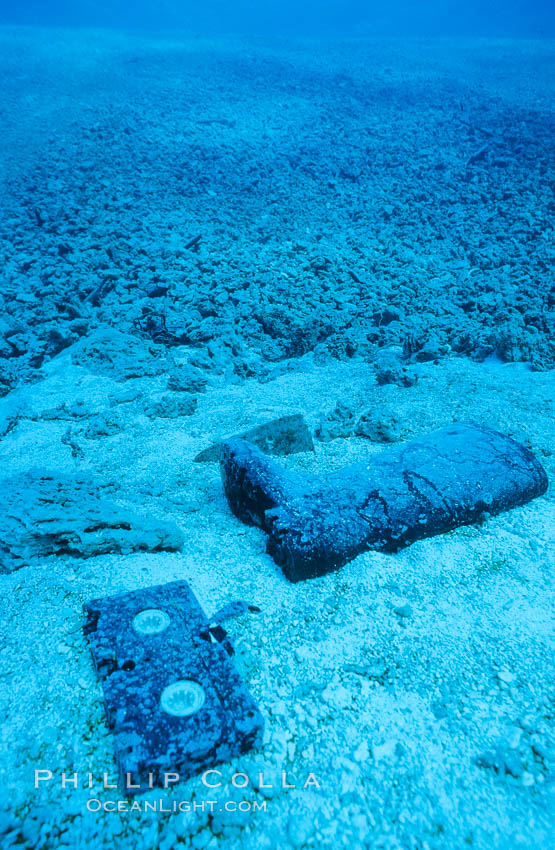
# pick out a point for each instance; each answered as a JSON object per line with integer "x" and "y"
{"x": 521, "y": 18}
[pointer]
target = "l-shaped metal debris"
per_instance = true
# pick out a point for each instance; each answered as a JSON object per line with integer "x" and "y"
{"x": 430, "y": 485}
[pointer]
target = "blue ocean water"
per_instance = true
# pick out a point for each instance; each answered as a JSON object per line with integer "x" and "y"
{"x": 501, "y": 18}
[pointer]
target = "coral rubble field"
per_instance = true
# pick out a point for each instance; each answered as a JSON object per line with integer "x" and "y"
{"x": 198, "y": 237}
{"x": 260, "y": 199}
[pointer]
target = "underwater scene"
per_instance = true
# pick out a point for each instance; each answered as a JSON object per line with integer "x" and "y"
{"x": 277, "y": 425}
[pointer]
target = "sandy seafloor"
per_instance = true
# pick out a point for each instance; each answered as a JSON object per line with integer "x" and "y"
{"x": 417, "y": 687}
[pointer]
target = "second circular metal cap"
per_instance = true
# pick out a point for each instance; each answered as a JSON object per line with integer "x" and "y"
{"x": 182, "y": 698}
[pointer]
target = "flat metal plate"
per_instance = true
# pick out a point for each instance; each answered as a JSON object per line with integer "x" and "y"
{"x": 174, "y": 701}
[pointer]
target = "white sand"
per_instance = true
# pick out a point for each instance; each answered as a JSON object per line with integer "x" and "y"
{"x": 392, "y": 771}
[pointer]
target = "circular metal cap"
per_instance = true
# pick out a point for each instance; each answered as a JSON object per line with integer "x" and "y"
{"x": 182, "y": 698}
{"x": 151, "y": 621}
